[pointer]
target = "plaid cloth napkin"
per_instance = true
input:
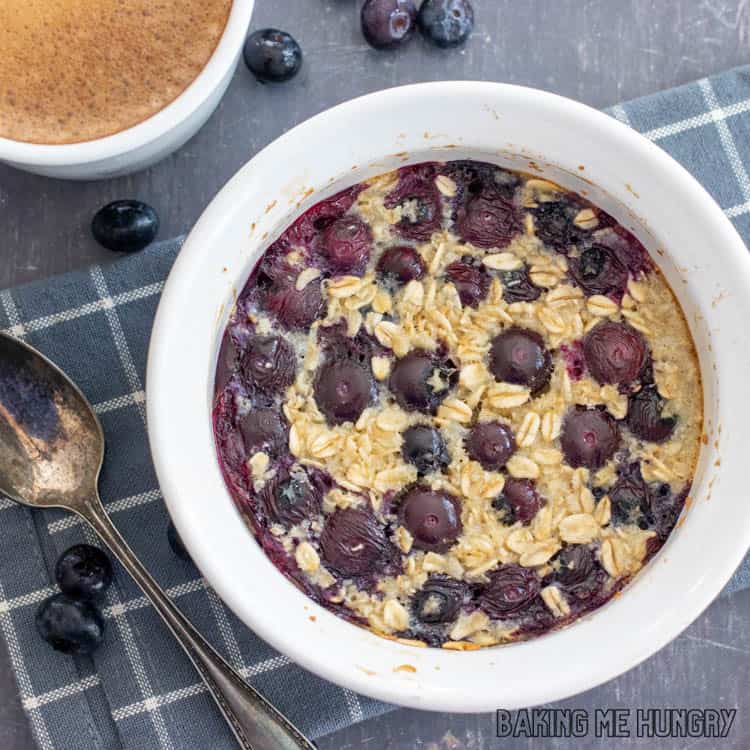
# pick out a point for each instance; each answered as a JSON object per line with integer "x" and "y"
{"x": 139, "y": 691}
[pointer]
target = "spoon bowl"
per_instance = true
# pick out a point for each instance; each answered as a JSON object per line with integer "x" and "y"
{"x": 51, "y": 454}
{"x": 51, "y": 441}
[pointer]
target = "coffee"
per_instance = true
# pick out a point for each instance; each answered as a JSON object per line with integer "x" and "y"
{"x": 77, "y": 70}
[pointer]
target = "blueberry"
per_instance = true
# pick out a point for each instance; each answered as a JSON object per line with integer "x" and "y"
{"x": 472, "y": 282}
{"x": 598, "y": 270}
{"x": 439, "y": 600}
{"x": 518, "y": 355}
{"x": 84, "y": 572}
{"x": 446, "y": 23}
{"x": 421, "y": 380}
{"x": 388, "y": 23}
{"x": 125, "y": 226}
{"x": 293, "y": 499}
{"x": 265, "y": 430}
{"x": 432, "y": 517}
{"x": 347, "y": 243}
{"x": 269, "y": 364}
{"x": 510, "y": 590}
{"x": 645, "y": 418}
{"x": 354, "y": 543}
{"x": 424, "y": 447}
{"x": 71, "y": 626}
{"x": 490, "y": 443}
{"x": 589, "y": 437}
{"x": 175, "y": 542}
{"x": 343, "y": 390}
{"x": 272, "y": 55}
{"x": 402, "y": 264}
{"x": 615, "y": 352}
{"x": 519, "y": 501}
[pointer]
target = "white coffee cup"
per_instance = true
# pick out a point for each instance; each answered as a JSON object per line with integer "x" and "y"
{"x": 151, "y": 140}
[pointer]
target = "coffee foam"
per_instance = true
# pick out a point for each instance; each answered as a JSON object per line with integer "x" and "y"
{"x": 77, "y": 70}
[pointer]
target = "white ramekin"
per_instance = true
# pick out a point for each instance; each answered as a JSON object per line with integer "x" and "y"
{"x": 151, "y": 140}
{"x": 695, "y": 244}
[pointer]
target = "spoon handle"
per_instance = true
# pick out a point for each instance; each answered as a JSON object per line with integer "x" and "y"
{"x": 256, "y": 724}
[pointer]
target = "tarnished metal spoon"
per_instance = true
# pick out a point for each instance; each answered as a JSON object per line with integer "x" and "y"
{"x": 51, "y": 453}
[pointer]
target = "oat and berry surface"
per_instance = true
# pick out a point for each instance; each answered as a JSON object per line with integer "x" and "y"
{"x": 458, "y": 405}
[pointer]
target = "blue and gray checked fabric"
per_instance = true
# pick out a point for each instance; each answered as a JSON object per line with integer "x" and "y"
{"x": 139, "y": 692}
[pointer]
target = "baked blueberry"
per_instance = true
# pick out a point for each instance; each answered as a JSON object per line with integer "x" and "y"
{"x": 354, "y": 543}
{"x": 421, "y": 380}
{"x": 439, "y": 600}
{"x": 71, "y": 626}
{"x": 629, "y": 496}
{"x": 388, "y": 23}
{"x": 125, "y": 226}
{"x": 343, "y": 390}
{"x": 518, "y": 355}
{"x": 590, "y": 437}
{"x": 401, "y": 264}
{"x": 599, "y": 271}
{"x": 553, "y": 222}
{"x": 645, "y": 418}
{"x": 615, "y": 353}
{"x": 573, "y": 565}
{"x": 295, "y": 308}
{"x": 264, "y": 429}
{"x": 419, "y": 201}
{"x": 490, "y": 443}
{"x": 472, "y": 282}
{"x": 272, "y": 55}
{"x": 432, "y": 517}
{"x": 347, "y": 243}
{"x": 519, "y": 501}
{"x": 517, "y": 286}
{"x": 509, "y": 591}
{"x": 292, "y": 498}
{"x": 424, "y": 447}
{"x": 487, "y": 220}
{"x": 84, "y": 572}
{"x": 269, "y": 363}
{"x": 446, "y": 23}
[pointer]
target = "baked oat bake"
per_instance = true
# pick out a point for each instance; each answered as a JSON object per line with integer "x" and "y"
{"x": 458, "y": 405}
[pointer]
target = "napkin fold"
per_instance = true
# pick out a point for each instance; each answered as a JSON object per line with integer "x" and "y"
{"x": 139, "y": 691}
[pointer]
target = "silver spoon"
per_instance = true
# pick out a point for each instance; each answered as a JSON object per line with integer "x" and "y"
{"x": 51, "y": 453}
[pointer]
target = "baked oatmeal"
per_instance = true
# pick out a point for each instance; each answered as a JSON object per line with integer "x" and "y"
{"x": 458, "y": 405}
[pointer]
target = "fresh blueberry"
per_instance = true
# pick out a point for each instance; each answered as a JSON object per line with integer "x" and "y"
{"x": 388, "y": 23}
{"x": 424, "y": 447}
{"x": 446, "y": 23}
{"x": 83, "y": 572}
{"x": 125, "y": 226}
{"x": 175, "y": 542}
{"x": 272, "y": 55}
{"x": 72, "y": 626}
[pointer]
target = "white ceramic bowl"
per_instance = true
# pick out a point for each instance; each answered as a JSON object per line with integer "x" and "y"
{"x": 151, "y": 140}
{"x": 698, "y": 249}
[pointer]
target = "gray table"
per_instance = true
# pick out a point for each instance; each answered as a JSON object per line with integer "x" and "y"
{"x": 598, "y": 51}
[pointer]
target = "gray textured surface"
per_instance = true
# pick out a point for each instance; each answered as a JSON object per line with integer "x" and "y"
{"x": 598, "y": 51}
